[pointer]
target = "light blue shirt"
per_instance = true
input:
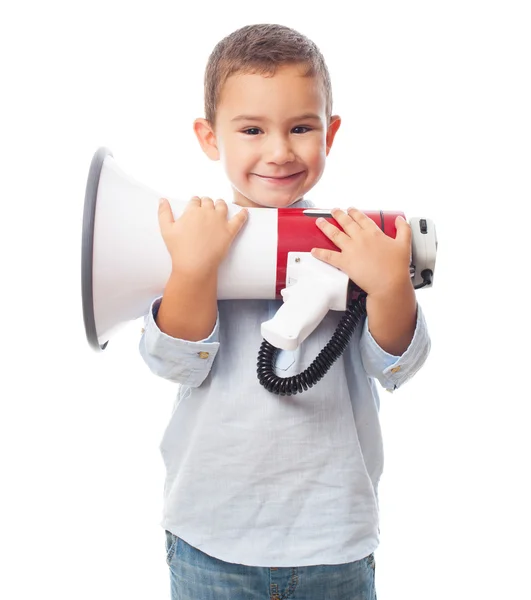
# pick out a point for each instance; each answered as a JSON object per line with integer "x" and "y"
{"x": 266, "y": 480}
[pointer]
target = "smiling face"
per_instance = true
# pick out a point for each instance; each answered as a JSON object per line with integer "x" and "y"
{"x": 271, "y": 135}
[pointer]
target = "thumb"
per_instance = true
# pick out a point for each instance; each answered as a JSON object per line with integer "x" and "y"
{"x": 165, "y": 214}
{"x": 403, "y": 230}
{"x": 237, "y": 222}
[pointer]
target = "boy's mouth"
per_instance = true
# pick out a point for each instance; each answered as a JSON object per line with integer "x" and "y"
{"x": 280, "y": 180}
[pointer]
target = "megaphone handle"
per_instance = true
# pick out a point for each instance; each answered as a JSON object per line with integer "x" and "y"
{"x": 313, "y": 288}
{"x": 303, "y": 309}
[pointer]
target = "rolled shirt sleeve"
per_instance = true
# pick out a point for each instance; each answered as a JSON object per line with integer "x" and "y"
{"x": 393, "y": 371}
{"x": 180, "y": 361}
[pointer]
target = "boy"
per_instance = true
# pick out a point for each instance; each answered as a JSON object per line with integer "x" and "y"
{"x": 271, "y": 496}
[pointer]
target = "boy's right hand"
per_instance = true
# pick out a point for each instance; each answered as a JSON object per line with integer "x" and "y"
{"x": 200, "y": 238}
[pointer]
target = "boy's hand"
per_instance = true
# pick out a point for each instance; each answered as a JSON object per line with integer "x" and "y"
{"x": 377, "y": 263}
{"x": 200, "y": 238}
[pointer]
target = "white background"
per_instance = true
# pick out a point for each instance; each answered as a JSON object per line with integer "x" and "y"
{"x": 435, "y": 99}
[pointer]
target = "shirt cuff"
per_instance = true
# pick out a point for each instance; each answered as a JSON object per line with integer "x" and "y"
{"x": 390, "y": 370}
{"x": 183, "y": 361}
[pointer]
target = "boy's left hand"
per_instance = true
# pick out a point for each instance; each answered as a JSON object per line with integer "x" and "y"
{"x": 377, "y": 263}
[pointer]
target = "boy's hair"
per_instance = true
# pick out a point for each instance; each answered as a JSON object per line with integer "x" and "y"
{"x": 262, "y": 49}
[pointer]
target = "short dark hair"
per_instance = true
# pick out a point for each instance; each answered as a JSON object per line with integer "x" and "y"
{"x": 262, "y": 49}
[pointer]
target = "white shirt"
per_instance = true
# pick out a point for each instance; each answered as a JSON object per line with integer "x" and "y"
{"x": 274, "y": 481}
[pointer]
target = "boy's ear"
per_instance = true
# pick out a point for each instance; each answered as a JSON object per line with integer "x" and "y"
{"x": 207, "y": 138}
{"x": 333, "y": 126}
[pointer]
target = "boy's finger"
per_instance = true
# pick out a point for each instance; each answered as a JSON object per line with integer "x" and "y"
{"x": 194, "y": 202}
{"x": 344, "y": 220}
{"x": 237, "y": 221}
{"x": 360, "y": 218}
{"x": 221, "y": 206}
{"x": 403, "y": 231}
{"x": 332, "y": 232}
{"x": 206, "y": 202}
{"x": 165, "y": 212}
{"x": 328, "y": 256}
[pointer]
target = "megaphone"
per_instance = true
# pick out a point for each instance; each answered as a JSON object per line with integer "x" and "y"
{"x": 125, "y": 263}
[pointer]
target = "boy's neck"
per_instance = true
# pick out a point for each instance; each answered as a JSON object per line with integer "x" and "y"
{"x": 243, "y": 204}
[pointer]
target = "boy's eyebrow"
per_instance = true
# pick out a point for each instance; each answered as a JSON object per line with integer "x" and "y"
{"x": 304, "y": 117}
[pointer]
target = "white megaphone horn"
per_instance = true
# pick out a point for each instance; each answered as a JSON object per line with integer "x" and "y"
{"x": 125, "y": 263}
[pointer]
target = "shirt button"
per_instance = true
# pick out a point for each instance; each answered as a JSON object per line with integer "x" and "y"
{"x": 203, "y": 354}
{"x": 396, "y": 369}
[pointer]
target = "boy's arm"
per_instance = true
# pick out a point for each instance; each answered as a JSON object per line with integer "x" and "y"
{"x": 188, "y": 309}
{"x": 392, "y": 317}
{"x": 394, "y": 343}
{"x": 181, "y": 333}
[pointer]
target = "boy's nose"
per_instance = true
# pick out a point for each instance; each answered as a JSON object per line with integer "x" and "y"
{"x": 279, "y": 151}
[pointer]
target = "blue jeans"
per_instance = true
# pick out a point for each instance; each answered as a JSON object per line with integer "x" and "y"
{"x": 198, "y": 576}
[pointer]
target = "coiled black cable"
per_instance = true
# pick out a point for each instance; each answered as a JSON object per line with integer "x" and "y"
{"x": 289, "y": 386}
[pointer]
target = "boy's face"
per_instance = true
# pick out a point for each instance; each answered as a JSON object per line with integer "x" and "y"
{"x": 271, "y": 135}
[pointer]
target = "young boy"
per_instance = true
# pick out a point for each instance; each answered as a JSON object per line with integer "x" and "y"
{"x": 271, "y": 496}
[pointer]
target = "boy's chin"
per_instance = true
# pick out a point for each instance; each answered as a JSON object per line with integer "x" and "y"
{"x": 266, "y": 202}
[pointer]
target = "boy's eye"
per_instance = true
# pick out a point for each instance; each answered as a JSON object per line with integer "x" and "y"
{"x": 297, "y": 130}
{"x": 301, "y": 127}
{"x": 251, "y": 131}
